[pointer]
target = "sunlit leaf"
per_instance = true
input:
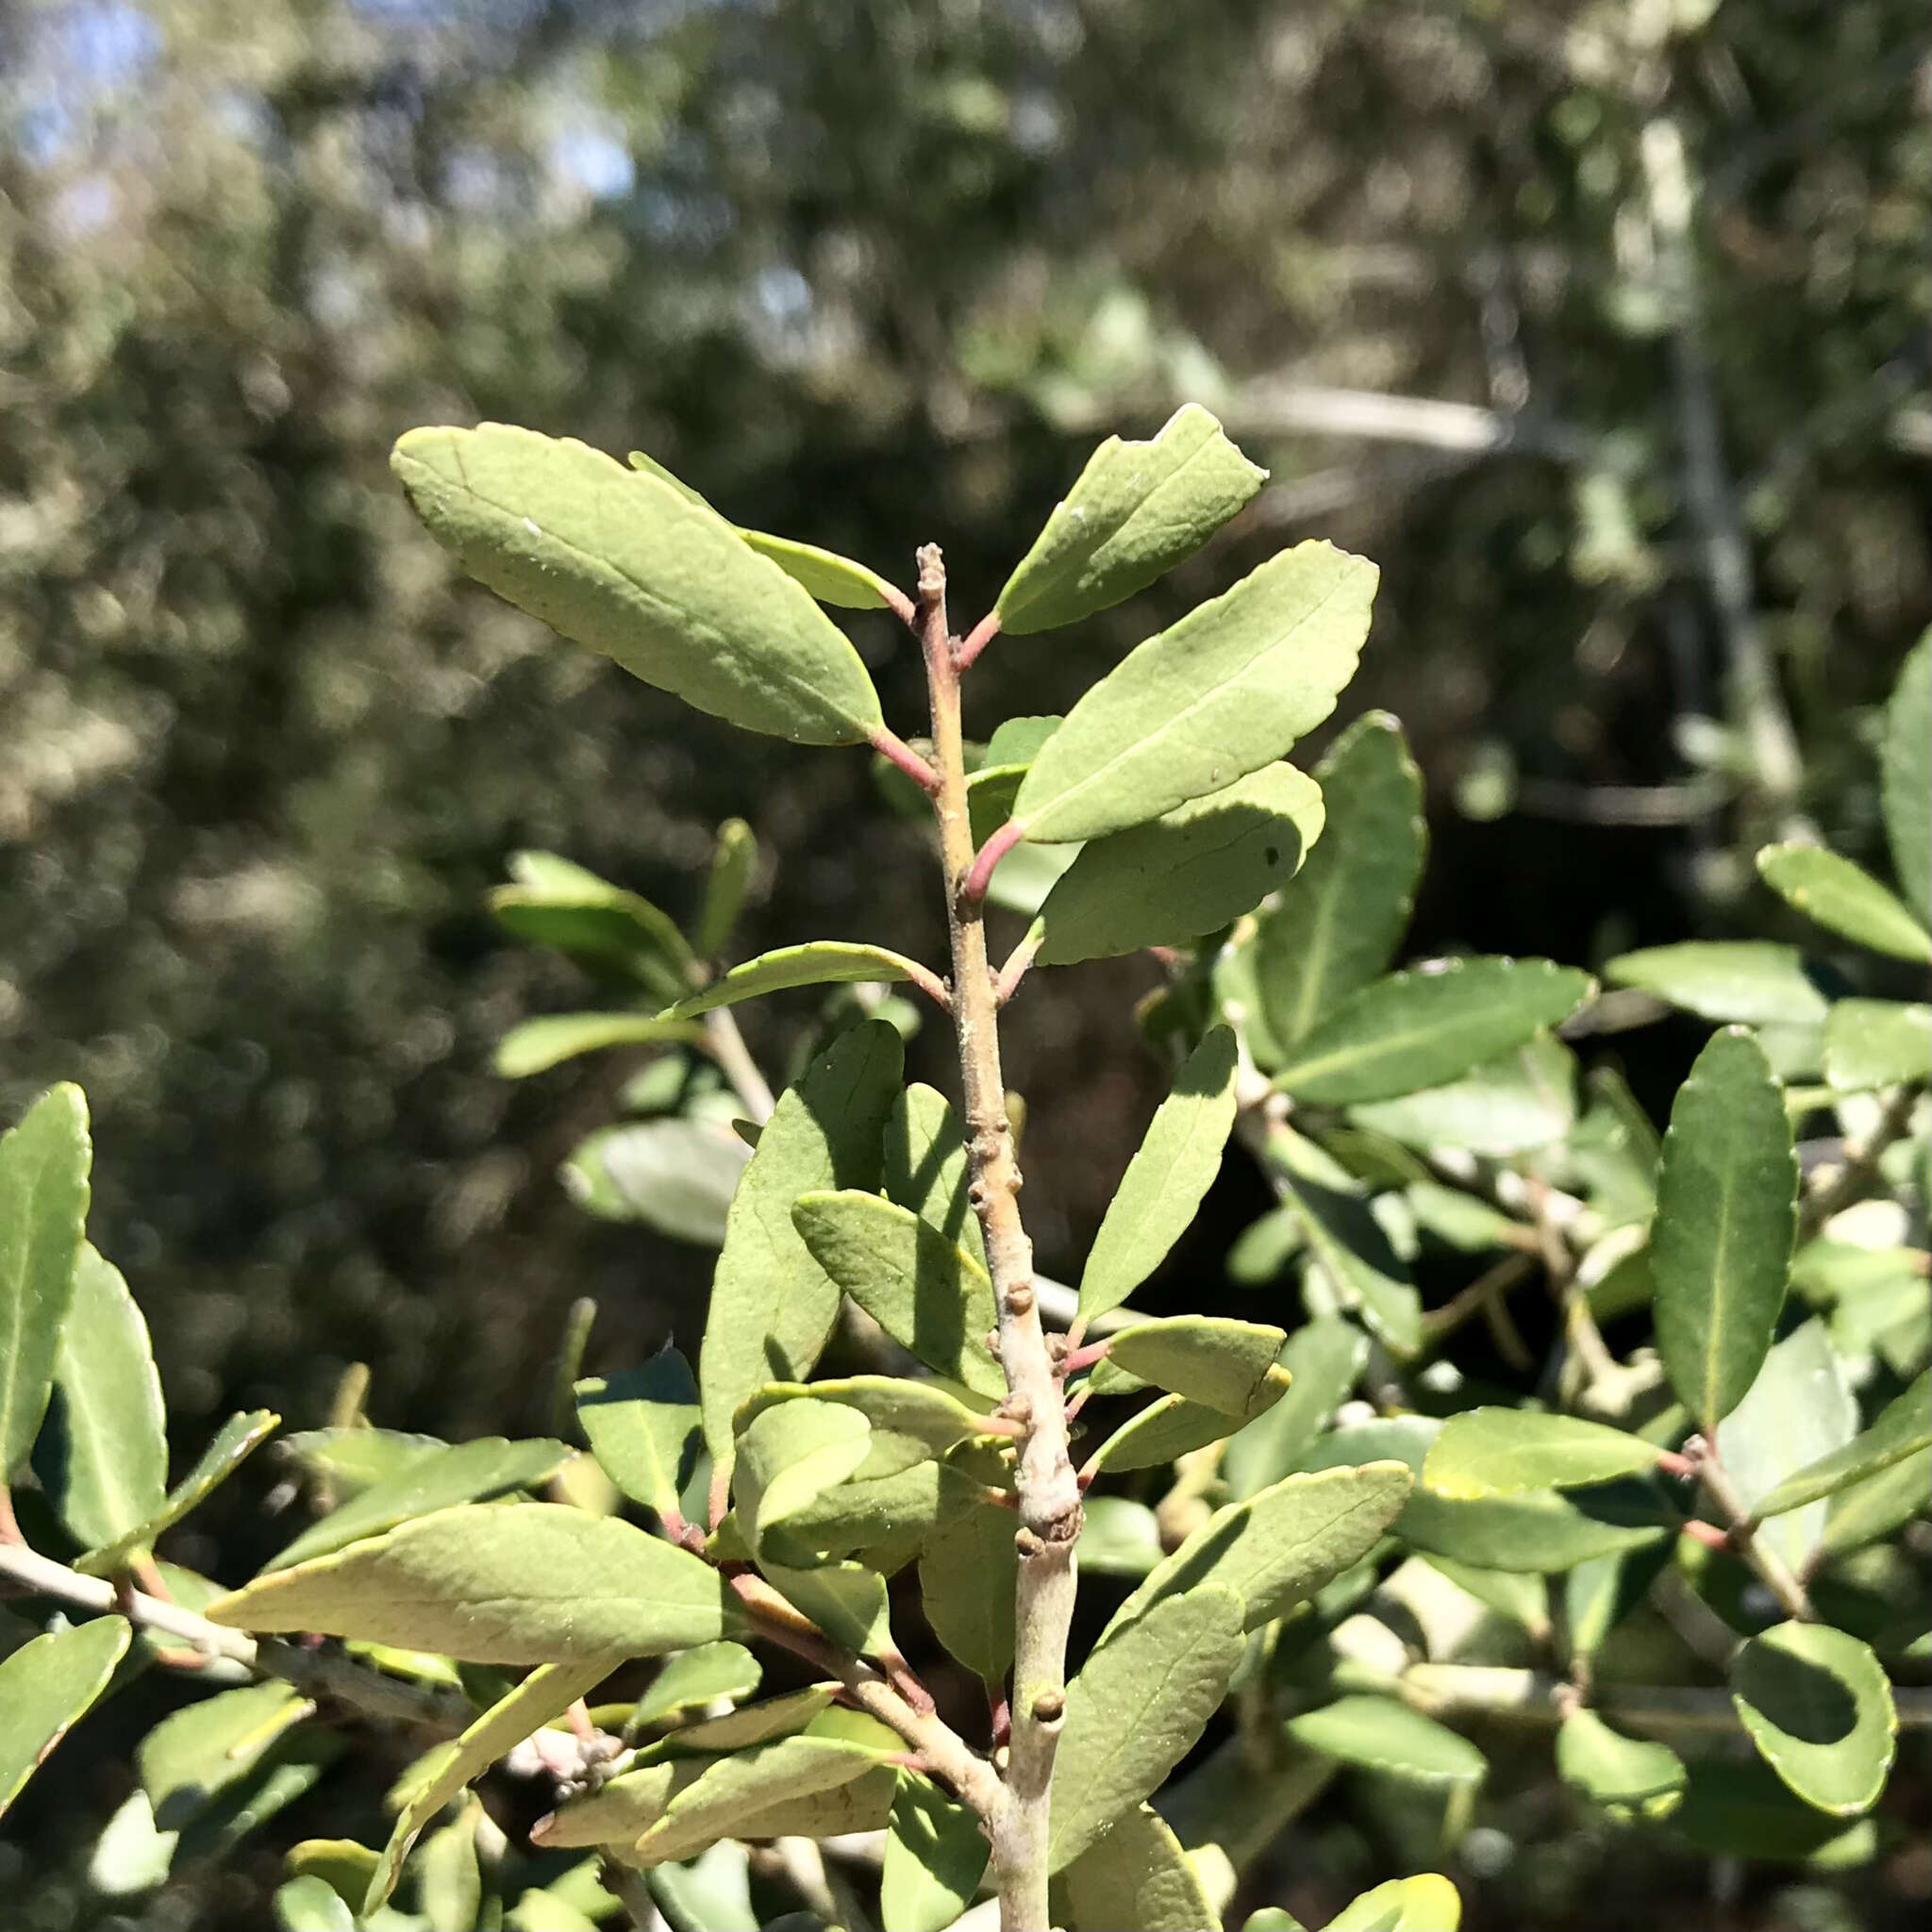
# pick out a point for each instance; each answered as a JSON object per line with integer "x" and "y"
{"x": 615, "y": 934}
{"x": 538, "y": 1044}
{"x": 696, "y": 1677}
{"x": 924, "y": 1166}
{"x": 46, "y": 1687}
{"x": 966, "y": 1580}
{"x": 1522, "y": 1101}
{"x": 1845, "y": 897}
{"x": 1322, "y": 1360}
{"x": 1749, "y": 981}
{"x": 1135, "y": 1877}
{"x": 676, "y": 1175}
{"x": 1902, "y": 1430}
{"x": 818, "y": 962}
{"x": 1379, "y": 1734}
{"x": 1502, "y": 1452}
{"x": 1870, "y": 1044}
{"x": 791, "y": 1453}
{"x": 236, "y": 1440}
{"x": 645, "y": 1427}
{"x": 1207, "y": 1358}
{"x": 1630, "y": 1777}
{"x": 1427, "y": 1903}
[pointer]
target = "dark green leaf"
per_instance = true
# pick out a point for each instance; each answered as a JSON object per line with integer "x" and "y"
{"x": 46, "y": 1687}
{"x": 1845, "y": 897}
{"x": 935, "y": 1855}
{"x": 1819, "y": 1708}
{"x": 1502, "y": 1452}
{"x": 1354, "y": 1253}
{"x": 1119, "y": 1538}
{"x": 1739, "y": 1809}
{"x": 1543, "y": 1530}
{"x": 818, "y": 962}
{"x": 645, "y": 1427}
{"x": 1748, "y": 981}
{"x": 1905, "y": 768}
{"x": 605, "y": 928}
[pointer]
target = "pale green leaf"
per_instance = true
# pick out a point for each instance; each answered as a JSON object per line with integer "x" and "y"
{"x": 1134, "y": 513}
{"x": 789, "y": 1455}
{"x": 935, "y": 1857}
{"x": 1136, "y": 1709}
{"x": 1281, "y": 1547}
{"x": 345, "y": 1461}
{"x": 1209, "y": 1359}
{"x": 818, "y": 962}
{"x": 103, "y": 1454}
{"x": 1322, "y": 1360}
{"x": 695, "y": 1677}
{"x": 891, "y": 1404}
{"x": 1502, "y": 1452}
{"x": 1427, "y": 1903}
{"x": 43, "y": 1197}
{"x": 1819, "y": 1708}
{"x": 773, "y": 1306}
{"x": 1630, "y": 1777}
{"x": 1905, "y": 771}
{"x": 1191, "y": 871}
{"x": 449, "y": 1877}
{"x": 1171, "y": 1170}
{"x": 756, "y": 1723}
{"x": 621, "y": 1809}
{"x": 1720, "y": 1247}
{"x": 624, "y": 565}
{"x": 1119, "y": 1538}
{"x": 645, "y": 1427}
{"x": 733, "y": 861}
{"x": 1871, "y": 1043}
{"x": 1429, "y": 1025}
{"x": 1903, "y": 1429}
{"x": 1379, "y": 1734}
{"x": 1542, "y": 1530}
{"x": 1135, "y": 1877}
{"x": 236, "y": 1440}
{"x": 1749, "y": 981}
{"x": 310, "y": 1904}
{"x": 46, "y": 1687}
{"x": 1514, "y": 1105}
{"x": 196, "y": 1753}
{"x": 1339, "y": 921}
{"x": 526, "y": 1583}
{"x": 1228, "y": 689}
{"x": 1163, "y": 1432}
{"x": 676, "y": 1175}
{"x": 929, "y": 1294}
{"x": 713, "y": 1893}
{"x": 553, "y": 902}
{"x": 735, "y": 1796}
{"x": 538, "y": 1044}
{"x": 464, "y": 1473}
{"x": 869, "y": 1516}
{"x": 1845, "y": 897}
{"x": 967, "y": 1573}
{"x": 540, "y": 1909}
{"x": 846, "y": 1600}
{"x": 924, "y": 1167}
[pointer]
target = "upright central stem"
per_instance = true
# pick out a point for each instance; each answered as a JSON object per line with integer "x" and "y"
{"x": 1049, "y": 1490}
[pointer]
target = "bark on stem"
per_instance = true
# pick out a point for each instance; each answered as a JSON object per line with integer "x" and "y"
{"x": 1049, "y": 1491}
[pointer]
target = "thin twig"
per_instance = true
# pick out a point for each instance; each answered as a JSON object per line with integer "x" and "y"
{"x": 1839, "y": 1187}
{"x": 977, "y": 640}
{"x": 727, "y": 1046}
{"x": 889, "y": 744}
{"x": 1742, "y": 1533}
{"x": 1017, "y": 962}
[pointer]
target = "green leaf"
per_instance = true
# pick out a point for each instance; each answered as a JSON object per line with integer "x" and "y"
{"x": 1431, "y": 1025}
{"x": 1720, "y": 1246}
{"x": 1190, "y": 871}
{"x": 545, "y": 1694}
{"x": 926, "y": 1170}
{"x": 627, "y": 565}
{"x": 1341, "y": 919}
{"x": 846, "y": 1600}
{"x": 869, "y": 1516}
{"x": 1228, "y": 689}
{"x": 1502, "y": 1452}
{"x": 538, "y": 1045}
{"x": 196, "y": 1753}
{"x": 645, "y": 1427}
{"x": 46, "y": 1687}
{"x": 236, "y": 1440}
{"x": 1542, "y": 1530}
{"x": 891, "y": 1404}
{"x": 1904, "y": 763}
{"x": 1139, "y": 1702}
{"x": 1279, "y": 1547}
{"x": 696, "y": 1677}
{"x": 757, "y": 1723}
{"x": 1134, "y": 513}
{"x": 1354, "y": 1255}
{"x": 676, "y": 1176}
{"x": 619, "y": 1811}
{"x": 773, "y": 1306}
{"x": 103, "y": 1454}
{"x": 1845, "y": 897}
{"x": 1871, "y": 1043}
{"x": 967, "y": 1573}
{"x": 449, "y": 1877}
{"x": 713, "y": 1893}
{"x": 1135, "y": 1877}
{"x": 818, "y": 962}
{"x": 1630, "y": 1778}
{"x": 733, "y": 861}
{"x": 1874, "y": 1508}
{"x": 43, "y": 1196}
{"x": 519, "y": 1583}
{"x": 344, "y": 1864}
{"x": 1427, "y": 1903}
{"x": 1748, "y": 981}
{"x": 1819, "y": 1708}
{"x": 1378, "y": 1734}
{"x": 1741, "y": 1809}
{"x": 540, "y": 1909}
{"x": 606, "y": 929}
{"x": 1904, "y": 1427}
{"x": 464, "y": 1473}
{"x": 1163, "y": 1432}
{"x": 789, "y": 1455}
{"x": 927, "y": 1292}
{"x": 349, "y": 1460}
{"x": 1171, "y": 1170}
{"x": 1119, "y": 1538}
{"x": 1322, "y": 1360}
{"x": 311, "y": 1905}
{"x": 936, "y": 1854}
{"x": 1273, "y": 1919}
{"x": 1514, "y": 1105}
{"x": 1207, "y": 1358}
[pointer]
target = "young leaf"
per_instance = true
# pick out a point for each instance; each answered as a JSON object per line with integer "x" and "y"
{"x": 1903, "y": 1429}
{"x": 927, "y": 1292}
{"x": 525, "y": 1583}
{"x": 1162, "y": 1433}
{"x": 1845, "y": 897}
{"x": 696, "y": 1677}
{"x": 818, "y": 962}
{"x": 1134, "y": 513}
{"x": 1279, "y": 1547}
{"x": 1905, "y": 771}
{"x": 790, "y": 1455}
{"x": 732, "y": 863}
{"x": 545, "y": 1694}
{"x": 537, "y": 1045}
{"x": 1819, "y": 1708}
{"x": 1720, "y": 1247}
{"x": 1427, "y": 1903}
{"x": 1354, "y": 1255}
{"x": 1228, "y": 689}
{"x": 966, "y": 1579}
{"x": 46, "y": 1687}
{"x": 935, "y": 1857}
{"x": 43, "y": 1196}
{"x": 1339, "y": 920}
{"x": 1208, "y": 1359}
{"x": 1135, "y": 1877}
{"x": 925, "y": 1167}
{"x": 1190, "y": 871}
{"x": 643, "y": 1427}
{"x": 1630, "y": 1778}
{"x": 1748, "y": 981}
{"x": 1173, "y": 1169}
{"x": 1140, "y": 1701}
{"x": 1381, "y": 1735}
{"x": 1871, "y": 1043}
{"x": 606, "y": 929}
{"x": 624, "y": 565}
{"x": 676, "y": 1175}
{"x": 1322, "y": 1360}
{"x": 465, "y": 1473}
{"x": 1502, "y": 1452}
{"x": 236, "y": 1440}
{"x": 103, "y": 1456}
{"x": 772, "y": 1305}
{"x": 1429, "y": 1025}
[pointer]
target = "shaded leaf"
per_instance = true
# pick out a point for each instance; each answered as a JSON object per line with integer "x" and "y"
{"x": 746, "y": 1795}
{"x": 311, "y": 1905}
{"x": 1630, "y": 1778}
{"x": 46, "y": 1687}
{"x": 1522, "y": 1101}
{"x": 1903, "y": 1428}
{"x": 1873, "y": 1043}
{"x": 611, "y": 932}
{"x": 935, "y": 1857}
{"x": 1163, "y": 1432}
{"x": 1741, "y": 1809}
{"x": 891, "y": 1404}
{"x": 645, "y": 1427}
{"x": 789, "y": 1455}
{"x": 196, "y": 1753}
{"x": 1119, "y": 1538}
{"x": 622, "y": 562}
{"x": 1379, "y": 1734}
{"x": 1877, "y": 1507}
{"x": 924, "y": 1167}
{"x": 1906, "y": 773}
{"x": 1502, "y": 1452}
{"x": 1134, "y": 1879}
{"x": 347, "y": 1460}
{"x": 1323, "y": 1358}
{"x": 676, "y": 1176}
{"x": 538, "y": 1044}
{"x": 696, "y": 1677}
{"x": 1209, "y": 1359}
{"x": 818, "y": 962}
{"x": 1819, "y": 1708}
{"x": 967, "y": 1574}
{"x": 621, "y": 1809}
{"x": 1845, "y": 897}
{"x": 1749, "y": 981}
{"x": 236, "y": 1440}
{"x": 846, "y": 1600}
{"x": 449, "y": 1878}
{"x": 1355, "y": 1254}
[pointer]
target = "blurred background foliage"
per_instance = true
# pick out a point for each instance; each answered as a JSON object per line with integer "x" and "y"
{"x": 1600, "y": 324}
